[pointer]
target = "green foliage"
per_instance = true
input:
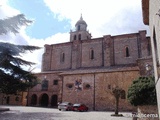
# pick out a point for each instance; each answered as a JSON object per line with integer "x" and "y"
{"x": 13, "y": 78}
{"x": 117, "y": 92}
{"x": 142, "y": 92}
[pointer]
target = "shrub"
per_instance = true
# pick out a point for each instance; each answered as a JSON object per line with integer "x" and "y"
{"x": 142, "y": 92}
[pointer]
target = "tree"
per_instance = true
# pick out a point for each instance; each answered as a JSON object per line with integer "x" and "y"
{"x": 13, "y": 24}
{"x": 142, "y": 92}
{"x": 13, "y": 78}
{"x": 117, "y": 93}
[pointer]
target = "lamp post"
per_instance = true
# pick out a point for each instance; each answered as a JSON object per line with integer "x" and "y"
{"x": 149, "y": 70}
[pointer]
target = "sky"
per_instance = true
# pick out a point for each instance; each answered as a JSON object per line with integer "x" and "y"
{"x": 53, "y": 20}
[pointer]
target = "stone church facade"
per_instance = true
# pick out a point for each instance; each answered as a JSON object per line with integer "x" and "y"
{"x": 86, "y": 70}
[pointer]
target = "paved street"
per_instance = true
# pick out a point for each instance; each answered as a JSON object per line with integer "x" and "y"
{"x": 37, "y": 113}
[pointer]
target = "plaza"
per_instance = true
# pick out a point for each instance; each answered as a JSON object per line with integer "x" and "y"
{"x": 39, "y": 113}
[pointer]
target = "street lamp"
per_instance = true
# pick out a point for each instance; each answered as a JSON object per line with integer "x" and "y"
{"x": 149, "y": 70}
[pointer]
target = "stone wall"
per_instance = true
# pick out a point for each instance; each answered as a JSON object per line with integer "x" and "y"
{"x": 83, "y": 95}
{"x": 99, "y": 95}
{"x": 52, "y": 89}
{"x": 107, "y": 51}
{"x": 96, "y": 46}
{"x": 19, "y": 99}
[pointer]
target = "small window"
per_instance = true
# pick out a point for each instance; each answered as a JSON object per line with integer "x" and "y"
{"x": 55, "y": 82}
{"x": 92, "y": 54}
{"x": 87, "y": 86}
{"x": 127, "y": 52}
{"x": 69, "y": 85}
{"x": 79, "y": 36}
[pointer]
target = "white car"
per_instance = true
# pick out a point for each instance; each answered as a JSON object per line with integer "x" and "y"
{"x": 65, "y": 106}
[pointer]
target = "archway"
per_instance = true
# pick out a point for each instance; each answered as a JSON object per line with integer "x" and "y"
{"x": 54, "y": 100}
{"x": 44, "y": 100}
{"x": 34, "y": 99}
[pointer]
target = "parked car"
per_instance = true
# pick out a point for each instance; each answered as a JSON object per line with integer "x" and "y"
{"x": 79, "y": 107}
{"x": 65, "y": 106}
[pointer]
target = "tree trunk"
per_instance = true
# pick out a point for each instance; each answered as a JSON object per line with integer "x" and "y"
{"x": 117, "y": 105}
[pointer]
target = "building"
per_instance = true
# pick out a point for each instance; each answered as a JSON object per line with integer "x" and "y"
{"x": 19, "y": 99}
{"x": 86, "y": 70}
{"x": 151, "y": 17}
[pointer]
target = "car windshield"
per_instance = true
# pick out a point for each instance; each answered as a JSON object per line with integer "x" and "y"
{"x": 75, "y": 105}
{"x": 64, "y": 103}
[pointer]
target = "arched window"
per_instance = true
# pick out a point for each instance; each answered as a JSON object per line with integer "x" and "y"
{"x": 62, "y": 57}
{"x": 79, "y": 36}
{"x": 92, "y": 54}
{"x": 44, "y": 85}
{"x": 127, "y": 52}
{"x": 74, "y": 37}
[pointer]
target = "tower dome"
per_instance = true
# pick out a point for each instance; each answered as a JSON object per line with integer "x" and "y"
{"x": 81, "y": 21}
{"x": 81, "y": 24}
{"x": 81, "y": 32}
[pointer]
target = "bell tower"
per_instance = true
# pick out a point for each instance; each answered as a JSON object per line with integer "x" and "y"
{"x": 80, "y": 32}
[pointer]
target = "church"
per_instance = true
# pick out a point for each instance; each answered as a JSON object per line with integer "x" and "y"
{"x": 86, "y": 70}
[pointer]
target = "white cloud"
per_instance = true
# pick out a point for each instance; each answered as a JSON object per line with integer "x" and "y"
{"x": 102, "y": 16}
{"x": 6, "y": 11}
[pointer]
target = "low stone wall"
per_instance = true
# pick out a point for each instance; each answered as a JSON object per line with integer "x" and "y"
{"x": 148, "y": 112}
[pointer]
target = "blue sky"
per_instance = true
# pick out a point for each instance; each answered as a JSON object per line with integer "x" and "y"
{"x": 53, "y": 20}
{"x": 45, "y": 23}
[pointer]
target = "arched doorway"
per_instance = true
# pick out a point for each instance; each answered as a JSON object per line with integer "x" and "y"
{"x": 44, "y": 100}
{"x": 34, "y": 100}
{"x": 54, "y": 100}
